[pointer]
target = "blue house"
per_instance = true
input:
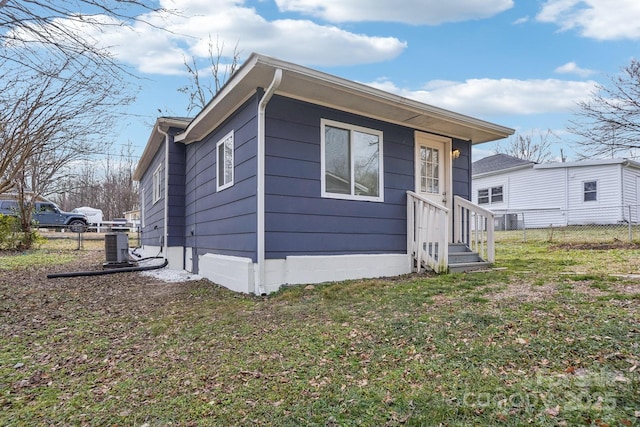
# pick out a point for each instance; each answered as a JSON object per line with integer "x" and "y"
{"x": 293, "y": 176}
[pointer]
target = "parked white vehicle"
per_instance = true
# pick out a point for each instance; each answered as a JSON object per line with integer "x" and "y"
{"x": 94, "y": 216}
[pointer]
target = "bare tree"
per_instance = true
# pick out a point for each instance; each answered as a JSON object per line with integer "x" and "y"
{"x": 105, "y": 184}
{"x": 49, "y": 118}
{"x": 608, "y": 124}
{"x": 202, "y": 88}
{"x": 27, "y": 28}
{"x": 60, "y": 90}
{"x": 534, "y": 147}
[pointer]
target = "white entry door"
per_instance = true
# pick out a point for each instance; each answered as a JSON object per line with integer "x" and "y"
{"x": 432, "y": 167}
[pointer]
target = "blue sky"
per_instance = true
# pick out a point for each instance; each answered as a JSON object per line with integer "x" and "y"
{"x": 519, "y": 63}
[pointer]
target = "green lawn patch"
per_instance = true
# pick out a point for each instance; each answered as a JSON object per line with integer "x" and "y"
{"x": 547, "y": 340}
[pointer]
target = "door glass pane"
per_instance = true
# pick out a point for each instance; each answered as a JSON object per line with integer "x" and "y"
{"x": 429, "y": 170}
{"x": 337, "y": 161}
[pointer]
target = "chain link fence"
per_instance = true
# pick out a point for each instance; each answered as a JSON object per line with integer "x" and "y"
{"x": 588, "y": 225}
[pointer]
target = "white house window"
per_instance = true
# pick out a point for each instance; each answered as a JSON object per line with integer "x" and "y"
{"x": 483, "y": 196}
{"x": 496, "y": 194}
{"x": 590, "y": 191}
{"x": 352, "y": 164}
{"x": 491, "y": 195}
{"x": 225, "y": 160}
{"x": 157, "y": 183}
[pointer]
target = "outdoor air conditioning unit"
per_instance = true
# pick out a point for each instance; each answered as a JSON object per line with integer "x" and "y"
{"x": 116, "y": 248}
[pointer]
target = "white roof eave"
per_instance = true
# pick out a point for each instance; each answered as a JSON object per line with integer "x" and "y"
{"x": 320, "y": 88}
{"x": 155, "y": 140}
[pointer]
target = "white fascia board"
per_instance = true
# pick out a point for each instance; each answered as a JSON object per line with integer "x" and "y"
{"x": 374, "y": 93}
{"x": 502, "y": 171}
{"x": 258, "y": 71}
{"x": 189, "y": 135}
{"x": 156, "y": 138}
{"x": 583, "y": 163}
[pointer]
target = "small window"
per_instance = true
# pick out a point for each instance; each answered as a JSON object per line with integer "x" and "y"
{"x": 352, "y": 164}
{"x": 225, "y": 162}
{"x": 483, "y": 196}
{"x": 157, "y": 184}
{"x": 590, "y": 191}
{"x": 496, "y": 194}
{"x": 490, "y": 195}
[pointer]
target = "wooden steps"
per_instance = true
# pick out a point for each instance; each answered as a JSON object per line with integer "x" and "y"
{"x": 462, "y": 259}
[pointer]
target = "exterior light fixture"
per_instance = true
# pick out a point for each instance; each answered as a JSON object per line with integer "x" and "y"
{"x": 455, "y": 153}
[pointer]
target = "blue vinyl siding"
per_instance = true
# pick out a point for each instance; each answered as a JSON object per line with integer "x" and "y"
{"x": 461, "y": 167}
{"x": 153, "y": 213}
{"x": 223, "y": 222}
{"x": 153, "y": 229}
{"x": 175, "y": 221}
{"x": 298, "y": 220}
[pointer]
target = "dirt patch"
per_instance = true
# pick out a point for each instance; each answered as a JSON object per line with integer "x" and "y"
{"x": 28, "y": 298}
{"x": 524, "y": 291}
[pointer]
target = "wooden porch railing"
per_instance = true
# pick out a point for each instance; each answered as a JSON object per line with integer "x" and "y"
{"x": 474, "y": 226}
{"x": 427, "y": 233}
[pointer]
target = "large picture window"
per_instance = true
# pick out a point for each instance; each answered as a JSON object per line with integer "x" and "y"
{"x": 351, "y": 162}
{"x": 225, "y": 160}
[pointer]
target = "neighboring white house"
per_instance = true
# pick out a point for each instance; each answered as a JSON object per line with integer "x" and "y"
{"x": 558, "y": 194}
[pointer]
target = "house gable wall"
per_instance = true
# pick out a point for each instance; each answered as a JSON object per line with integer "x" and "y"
{"x": 223, "y": 222}
{"x": 153, "y": 222}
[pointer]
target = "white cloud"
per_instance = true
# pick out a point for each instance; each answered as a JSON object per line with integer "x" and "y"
{"x": 522, "y": 20}
{"x": 159, "y": 48}
{"x": 596, "y": 19}
{"x": 572, "y": 68}
{"x": 231, "y": 23}
{"x": 430, "y": 12}
{"x": 503, "y": 97}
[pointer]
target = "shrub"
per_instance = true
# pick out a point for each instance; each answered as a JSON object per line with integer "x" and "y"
{"x": 12, "y": 237}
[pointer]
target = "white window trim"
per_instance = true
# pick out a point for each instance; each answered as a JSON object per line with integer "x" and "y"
{"x": 157, "y": 184}
{"x": 351, "y": 128}
{"x": 220, "y": 146}
{"x": 478, "y": 196}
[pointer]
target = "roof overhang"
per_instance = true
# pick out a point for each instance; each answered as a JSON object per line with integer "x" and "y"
{"x": 505, "y": 170}
{"x": 161, "y": 127}
{"x": 594, "y": 162}
{"x": 324, "y": 89}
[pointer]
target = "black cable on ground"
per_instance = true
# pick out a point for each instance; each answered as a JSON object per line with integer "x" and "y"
{"x": 103, "y": 272}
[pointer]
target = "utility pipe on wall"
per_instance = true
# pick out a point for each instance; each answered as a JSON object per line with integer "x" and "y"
{"x": 260, "y": 196}
{"x": 165, "y": 244}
